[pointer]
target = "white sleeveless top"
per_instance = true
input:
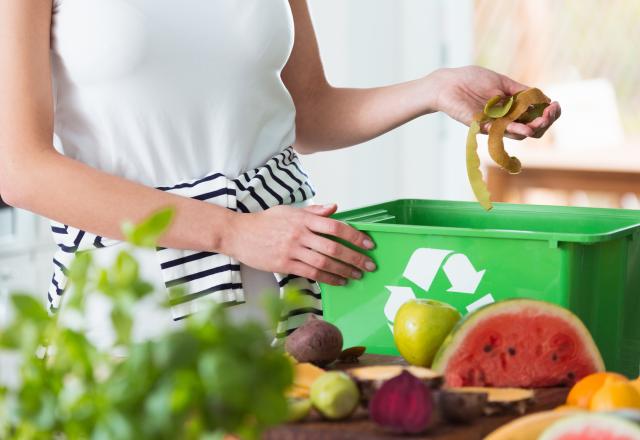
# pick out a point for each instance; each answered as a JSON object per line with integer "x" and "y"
{"x": 159, "y": 91}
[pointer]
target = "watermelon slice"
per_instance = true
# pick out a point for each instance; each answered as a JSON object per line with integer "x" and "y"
{"x": 518, "y": 343}
{"x": 592, "y": 427}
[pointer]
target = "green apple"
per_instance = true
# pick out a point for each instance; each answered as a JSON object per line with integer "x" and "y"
{"x": 420, "y": 327}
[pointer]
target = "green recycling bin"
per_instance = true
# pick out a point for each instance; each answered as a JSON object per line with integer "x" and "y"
{"x": 584, "y": 259}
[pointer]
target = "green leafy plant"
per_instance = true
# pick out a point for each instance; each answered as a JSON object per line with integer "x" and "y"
{"x": 202, "y": 380}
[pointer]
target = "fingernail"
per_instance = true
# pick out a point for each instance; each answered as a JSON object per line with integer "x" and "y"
{"x": 368, "y": 243}
{"x": 328, "y": 205}
{"x": 342, "y": 282}
{"x": 370, "y": 265}
{"x": 356, "y": 274}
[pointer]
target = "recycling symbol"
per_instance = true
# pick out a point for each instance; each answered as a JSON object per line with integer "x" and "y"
{"x": 422, "y": 268}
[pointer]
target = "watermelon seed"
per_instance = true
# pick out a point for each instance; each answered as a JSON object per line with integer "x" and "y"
{"x": 571, "y": 375}
{"x": 512, "y": 351}
{"x": 554, "y": 357}
{"x": 488, "y": 348}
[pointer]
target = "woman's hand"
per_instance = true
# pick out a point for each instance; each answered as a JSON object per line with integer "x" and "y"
{"x": 285, "y": 239}
{"x": 463, "y": 92}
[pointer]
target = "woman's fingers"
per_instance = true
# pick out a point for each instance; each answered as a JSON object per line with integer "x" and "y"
{"x": 323, "y": 210}
{"x": 541, "y": 124}
{"x": 553, "y": 111}
{"x": 358, "y": 262}
{"x": 327, "y": 264}
{"x": 516, "y": 137}
{"x": 514, "y": 130}
{"x": 538, "y": 126}
{"x": 313, "y": 273}
{"x": 338, "y": 229}
{"x": 519, "y": 131}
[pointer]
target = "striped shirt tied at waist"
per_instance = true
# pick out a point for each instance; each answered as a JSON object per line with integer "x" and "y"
{"x": 204, "y": 277}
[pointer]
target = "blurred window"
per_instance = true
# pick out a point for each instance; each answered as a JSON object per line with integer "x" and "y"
{"x": 584, "y": 54}
{"x": 550, "y": 42}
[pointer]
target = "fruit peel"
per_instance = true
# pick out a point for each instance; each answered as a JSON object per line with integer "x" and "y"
{"x": 457, "y": 407}
{"x": 476, "y": 180}
{"x": 523, "y": 107}
{"x": 371, "y": 378}
{"x": 498, "y": 106}
{"x": 521, "y": 104}
{"x": 501, "y": 400}
{"x": 351, "y": 355}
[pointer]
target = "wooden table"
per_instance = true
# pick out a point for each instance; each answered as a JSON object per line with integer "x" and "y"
{"x": 615, "y": 171}
{"x": 359, "y": 427}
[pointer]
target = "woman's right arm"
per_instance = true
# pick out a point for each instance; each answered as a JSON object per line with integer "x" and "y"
{"x": 35, "y": 177}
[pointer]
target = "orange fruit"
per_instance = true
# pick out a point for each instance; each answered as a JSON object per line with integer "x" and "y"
{"x": 567, "y": 408}
{"x": 582, "y": 392}
{"x": 636, "y": 383}
{"x": 615, "y": 394}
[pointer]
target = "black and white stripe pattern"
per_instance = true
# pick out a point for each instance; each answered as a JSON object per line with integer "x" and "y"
{"x": 203, "y": 277}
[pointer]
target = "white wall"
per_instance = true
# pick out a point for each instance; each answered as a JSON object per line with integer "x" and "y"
{"x": 363, "y": 43}
{"x": 368, "y": 43}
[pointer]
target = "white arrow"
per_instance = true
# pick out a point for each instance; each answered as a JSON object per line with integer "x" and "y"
{"x": 424, "y": 265}
{"x": 462, "y": 274}
{"x": 398, "y": 296}
{"x": 487, "y": 299}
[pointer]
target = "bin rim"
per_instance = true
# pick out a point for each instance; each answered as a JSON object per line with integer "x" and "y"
{"x": 354, "y": 218}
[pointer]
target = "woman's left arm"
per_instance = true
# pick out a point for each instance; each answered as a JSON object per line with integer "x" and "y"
{"x": 329, "y": 117}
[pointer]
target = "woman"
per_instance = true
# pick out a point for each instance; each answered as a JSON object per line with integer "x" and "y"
{"x": 194, "y": 107}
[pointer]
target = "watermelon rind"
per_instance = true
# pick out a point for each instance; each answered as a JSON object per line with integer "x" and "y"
{"x": 630, "y": 414}
{"x": 531, "y": 426}
{"x": 466, "y": 325}
{"x": 621, "y": 428}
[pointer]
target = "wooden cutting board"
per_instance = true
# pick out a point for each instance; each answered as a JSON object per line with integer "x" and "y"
{"x": 360, "y": 427}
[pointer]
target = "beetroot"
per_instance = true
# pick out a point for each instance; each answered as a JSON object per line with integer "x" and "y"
{"x": 402, "y": 404}
{"x": 315, "y": 341}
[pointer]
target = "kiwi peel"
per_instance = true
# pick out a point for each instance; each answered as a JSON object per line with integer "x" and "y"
{"x": 351, "y": 355}
{"x": 371, "y": 378}
{"x": 498, "y": 400}
{"x": 464, "y": 408}
{"x": 500, "y": 111}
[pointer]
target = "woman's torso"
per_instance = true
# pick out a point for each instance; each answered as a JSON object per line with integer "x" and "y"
{"x": 159, "y": 91}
